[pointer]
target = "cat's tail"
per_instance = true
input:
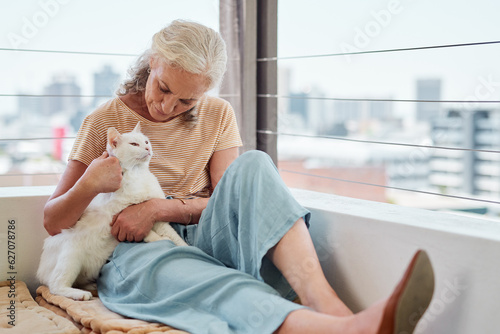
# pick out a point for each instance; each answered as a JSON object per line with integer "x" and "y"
{"x": 163, "y": 231}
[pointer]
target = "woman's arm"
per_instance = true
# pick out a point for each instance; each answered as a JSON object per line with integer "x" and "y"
{"x": 135, "y": 222}
{"x": 76, "y": 189}
{"x": 219, "y": 162}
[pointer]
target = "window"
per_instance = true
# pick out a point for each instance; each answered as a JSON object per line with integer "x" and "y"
{"x": 62, "y": 58}
{"x": 387, "y": 100}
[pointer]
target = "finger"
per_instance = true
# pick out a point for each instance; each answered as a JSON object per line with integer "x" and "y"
{"x": 122, "y": 236}
{"x": 115, "y": 217}
{"x": 138, "y": 238}
{"x": 115, "y": 231}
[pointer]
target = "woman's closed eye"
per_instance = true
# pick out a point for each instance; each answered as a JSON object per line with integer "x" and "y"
{"x": 167, "y": 91}
{"x": 164, "y": 90}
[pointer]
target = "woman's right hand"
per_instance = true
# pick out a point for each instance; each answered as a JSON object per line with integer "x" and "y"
{"x": 104, "y": 174}
{"x": 77, "y": 188}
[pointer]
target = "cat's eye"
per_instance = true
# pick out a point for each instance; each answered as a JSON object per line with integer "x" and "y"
{"x": 134, "y": 144}
{"x": 146, "y": 142}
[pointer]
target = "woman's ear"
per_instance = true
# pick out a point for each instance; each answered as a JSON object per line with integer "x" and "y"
{"x": 113, "y": 137}
{"x": 152, "y": 61}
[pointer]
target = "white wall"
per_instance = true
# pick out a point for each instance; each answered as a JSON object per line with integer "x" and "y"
{"x": 364, "y": 248}
{"x": 25, "y": 206}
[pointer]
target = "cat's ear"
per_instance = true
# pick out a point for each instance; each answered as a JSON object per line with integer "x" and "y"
{"x": 137, "y": 127}
{"x": 113, "y": 137}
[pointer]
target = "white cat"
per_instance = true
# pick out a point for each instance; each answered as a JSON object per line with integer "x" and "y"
{"x": 76, "y": 255}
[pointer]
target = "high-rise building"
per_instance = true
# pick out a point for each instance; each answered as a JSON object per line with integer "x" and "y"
{"x": 362, "y": 110}
{"x": 428, "y": 90}
{"x": 467, "y": 171}
{"x": 105, "y": 84}
{"x": 29, "y": 106}
{"x": 62, "y": 96}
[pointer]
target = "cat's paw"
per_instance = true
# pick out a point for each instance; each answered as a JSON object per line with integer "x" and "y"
{"x": 81, "y": 295}
{"x": 73, "y": 293}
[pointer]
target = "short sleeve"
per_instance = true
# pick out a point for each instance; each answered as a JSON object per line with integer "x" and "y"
{"x": 90, "y": 143}
{"x": 230, "y": 135}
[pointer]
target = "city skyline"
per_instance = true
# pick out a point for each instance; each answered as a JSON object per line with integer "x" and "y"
{"x": 339, "y": 27}
{"x": 467, "y": 73}
{"x": 91, "y": 26}
{"x": 464, "y": 73}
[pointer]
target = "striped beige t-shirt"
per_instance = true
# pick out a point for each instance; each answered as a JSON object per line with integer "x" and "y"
{"x": 180, "y": 154}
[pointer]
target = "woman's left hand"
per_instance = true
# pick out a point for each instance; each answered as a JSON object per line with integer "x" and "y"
{"x": 133, "y": 223}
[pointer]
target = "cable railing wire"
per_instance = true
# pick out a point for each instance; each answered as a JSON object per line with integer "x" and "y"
{"x": 390, "y": 187}
{"x": 269, "y": 132}
{"x": 280, "y": 97}
{"x": 371, "y": 100}
{"x": 35, "y": 138}
{"x": 52, "y": 95}
{"x": 430, "y": 47}
{"x": 33, "y": 174}
{"x": 92, "y": 53}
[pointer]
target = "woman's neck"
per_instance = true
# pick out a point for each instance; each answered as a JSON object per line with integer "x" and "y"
{"x": 137, "y": 103}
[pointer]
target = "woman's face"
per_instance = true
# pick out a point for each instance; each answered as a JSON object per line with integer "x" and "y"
{"x": 171, "y": 92}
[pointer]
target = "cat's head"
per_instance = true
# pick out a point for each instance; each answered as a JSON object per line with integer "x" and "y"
{"x": 132, "y": 148}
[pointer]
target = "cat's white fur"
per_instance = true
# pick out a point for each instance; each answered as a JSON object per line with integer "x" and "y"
{"x": 75, "y": 256}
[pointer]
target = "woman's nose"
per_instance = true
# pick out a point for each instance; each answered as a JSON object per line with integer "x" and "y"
{"x": 168, "y": 104}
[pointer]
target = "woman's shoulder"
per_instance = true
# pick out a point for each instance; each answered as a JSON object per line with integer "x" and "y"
{"x": 215, "y": 109}
{"x": 210, "y": 102}
{"x": 106, "y": 115}
{"x": 107, "y": 108}
{"x": 112, "y": 113}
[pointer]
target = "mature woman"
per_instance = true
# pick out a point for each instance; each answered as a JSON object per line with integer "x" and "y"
{"x": 250, "y": 237}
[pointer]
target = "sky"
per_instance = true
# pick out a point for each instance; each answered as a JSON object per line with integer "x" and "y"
{"x": 363, "y": 25}
{"x": 110, "y": 26}
{"x": 315, "y": 27}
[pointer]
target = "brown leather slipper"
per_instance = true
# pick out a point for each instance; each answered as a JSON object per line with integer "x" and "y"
{"x": 411, "y": 297}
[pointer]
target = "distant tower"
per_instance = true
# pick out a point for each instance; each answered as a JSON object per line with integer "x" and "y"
{"x": 428, "y": 89}
{"x": 30, "y": 106}
{"x": 62, "y": 84}
{"x": 105, "y": 84}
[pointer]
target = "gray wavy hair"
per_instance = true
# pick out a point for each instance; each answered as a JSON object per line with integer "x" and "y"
{"x": 187, "y": 45}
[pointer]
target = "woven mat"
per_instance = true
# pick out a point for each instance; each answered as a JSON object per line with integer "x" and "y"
{"x": 93, "y": 317}
{"x": 21, "y": 314}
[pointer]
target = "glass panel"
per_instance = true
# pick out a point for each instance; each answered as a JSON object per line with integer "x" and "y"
{"x": 355, "y": 110}
{"x": 122, "y": 28}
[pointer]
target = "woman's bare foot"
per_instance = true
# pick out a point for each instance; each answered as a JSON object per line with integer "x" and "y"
{"x": 326, "y": 301}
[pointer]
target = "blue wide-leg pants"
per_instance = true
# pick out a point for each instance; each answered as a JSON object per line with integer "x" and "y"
{"x": 222, "y": 283}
